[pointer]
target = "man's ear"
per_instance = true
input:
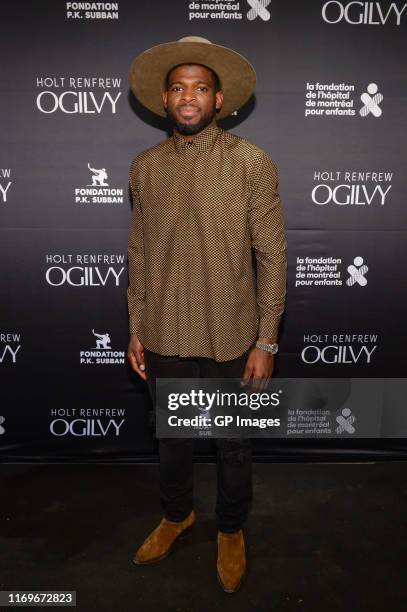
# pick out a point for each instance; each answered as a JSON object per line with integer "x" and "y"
{"x": 164, "y": 97}
{"x": 219, "y": 99}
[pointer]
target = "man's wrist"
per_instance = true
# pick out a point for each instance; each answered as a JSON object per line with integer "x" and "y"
{"x": 267, "y": 344}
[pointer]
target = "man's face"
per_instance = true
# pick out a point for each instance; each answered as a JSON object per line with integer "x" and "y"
{"x": 191, "y": 100}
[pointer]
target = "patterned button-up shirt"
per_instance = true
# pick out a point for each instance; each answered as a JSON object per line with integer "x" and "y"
{"x": 199, "y": 207}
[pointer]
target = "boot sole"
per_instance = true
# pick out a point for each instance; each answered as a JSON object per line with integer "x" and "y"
{"x": 180, "y": 536}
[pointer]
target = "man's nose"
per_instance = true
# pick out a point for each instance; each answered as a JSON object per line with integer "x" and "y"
{"x": 188, "y": 95}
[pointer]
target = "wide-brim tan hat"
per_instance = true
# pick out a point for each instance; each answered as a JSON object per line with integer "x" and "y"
{"x": 149, "y": 69}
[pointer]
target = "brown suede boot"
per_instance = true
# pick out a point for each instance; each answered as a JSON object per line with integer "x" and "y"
{"x": 231, "y": 563}
{"x": 159, "y": 543}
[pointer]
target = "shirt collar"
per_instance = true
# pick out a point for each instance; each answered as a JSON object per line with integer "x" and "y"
{"x": 203, "y": 141}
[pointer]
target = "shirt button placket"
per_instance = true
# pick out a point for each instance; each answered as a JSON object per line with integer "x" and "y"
{"x": 183, "y": 233}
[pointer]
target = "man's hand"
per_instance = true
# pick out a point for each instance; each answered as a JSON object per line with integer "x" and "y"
{"x": 135, "y": 355}
{"x": 259, "y": 367}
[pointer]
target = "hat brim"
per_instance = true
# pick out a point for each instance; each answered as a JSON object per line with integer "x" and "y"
{"x": 149, "y": 69}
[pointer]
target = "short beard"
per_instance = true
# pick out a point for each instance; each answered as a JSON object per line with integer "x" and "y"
{"x": 188, "y": 129}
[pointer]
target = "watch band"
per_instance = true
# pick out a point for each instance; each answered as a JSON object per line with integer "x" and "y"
{"x": 270, "y": 348}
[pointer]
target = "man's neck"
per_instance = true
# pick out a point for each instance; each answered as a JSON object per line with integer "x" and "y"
{"x": 191, "y": 136}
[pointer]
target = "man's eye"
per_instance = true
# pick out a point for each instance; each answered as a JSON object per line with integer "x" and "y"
{"x": 177, "y": 87}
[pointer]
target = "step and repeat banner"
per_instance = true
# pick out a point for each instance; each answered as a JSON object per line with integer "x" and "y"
{"x": 330, "y": 109}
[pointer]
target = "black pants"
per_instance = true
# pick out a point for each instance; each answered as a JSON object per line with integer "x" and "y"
{"x": 234, "y": 460}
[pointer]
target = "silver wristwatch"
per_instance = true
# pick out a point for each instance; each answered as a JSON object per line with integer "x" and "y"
{"x": 270, "y": 348}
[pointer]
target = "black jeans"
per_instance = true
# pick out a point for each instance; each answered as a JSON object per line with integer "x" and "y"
{"x": 234, "y": 460}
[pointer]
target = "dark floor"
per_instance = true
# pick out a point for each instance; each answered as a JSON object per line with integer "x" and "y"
{"x": 329, "y": 537}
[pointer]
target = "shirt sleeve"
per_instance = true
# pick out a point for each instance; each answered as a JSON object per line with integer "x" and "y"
{"x": 267, "y": 231}
{"x": 135, "y": 251}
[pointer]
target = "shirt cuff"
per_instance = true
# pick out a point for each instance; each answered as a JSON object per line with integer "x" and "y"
{"x": 134, "y": 324}
{"x": 268, "y": 328}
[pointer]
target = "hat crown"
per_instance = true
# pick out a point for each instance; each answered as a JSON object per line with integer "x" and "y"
{"x": 194, "y": 39}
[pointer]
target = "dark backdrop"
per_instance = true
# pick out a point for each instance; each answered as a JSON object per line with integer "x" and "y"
{"x": 342, "y": 180}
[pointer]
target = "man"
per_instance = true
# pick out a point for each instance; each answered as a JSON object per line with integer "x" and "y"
{"x": 203, "y": 198}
